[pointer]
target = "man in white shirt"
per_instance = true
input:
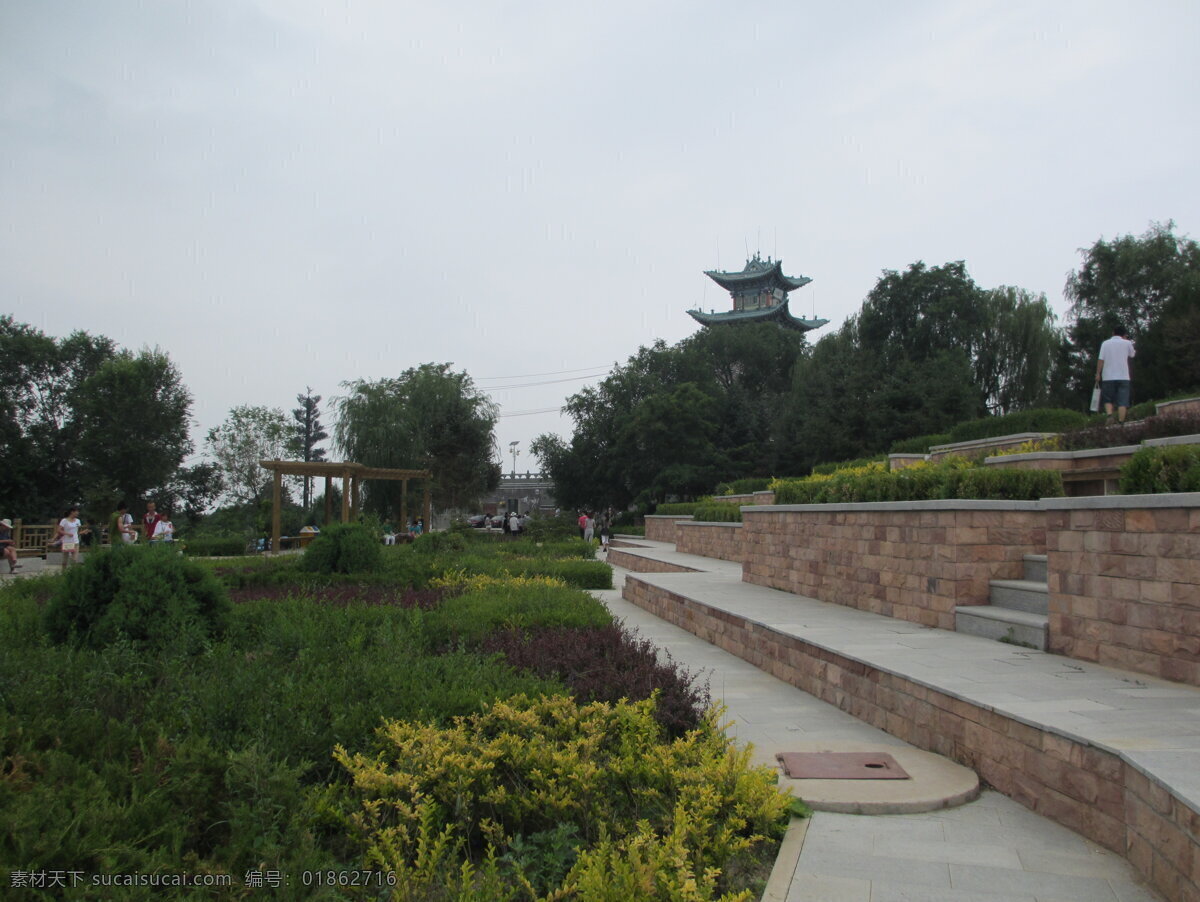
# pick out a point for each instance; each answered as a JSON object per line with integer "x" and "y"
{"x": 1112, "y": 373}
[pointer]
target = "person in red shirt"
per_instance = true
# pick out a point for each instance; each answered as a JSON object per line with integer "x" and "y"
{"x": 150, "y": 521}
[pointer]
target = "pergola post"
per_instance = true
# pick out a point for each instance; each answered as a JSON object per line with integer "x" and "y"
{"x": 328, "y": 500}
{"x": 404, "y": 502}
{"x": 428, "y": 505}
{"x": 276, "y": 499}
{"x": 346, "y": 496}
{"x": 354, "y": 487}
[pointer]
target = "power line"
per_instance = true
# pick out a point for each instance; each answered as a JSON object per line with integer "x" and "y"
{"x": 527, "y": 413}
{"x": 543, "y": 382}
{"x": 535, "y": 375}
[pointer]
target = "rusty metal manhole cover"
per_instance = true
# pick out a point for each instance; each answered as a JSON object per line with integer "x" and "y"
{"x": 841, "y": 766}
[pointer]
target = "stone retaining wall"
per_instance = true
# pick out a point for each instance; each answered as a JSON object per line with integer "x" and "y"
{"x": 661, "y": 527}
{"x": 1090, "y": 790}
{"x": 1124, "y": 574}
{"x": 717, "y": 540}
{"x": 912, "y": 560}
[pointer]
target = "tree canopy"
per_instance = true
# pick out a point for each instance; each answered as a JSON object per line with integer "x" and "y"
{"x": 427, "y": 418}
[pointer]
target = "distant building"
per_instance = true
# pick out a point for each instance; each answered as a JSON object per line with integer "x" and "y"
{"x": 760, "y": 294}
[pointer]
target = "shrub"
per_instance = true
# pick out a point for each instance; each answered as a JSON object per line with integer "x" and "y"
{"x": 607, "y": 664}
{"x": 526, "y": 767}
{"x": 216, "y": 546}
{"x": 1044, "y": 419}
{"x": 522, "y": 603}
{"x": 718, "y": 512}
{"x": 745, "y": 486}
{"x": 680, "y": 508}
{"x": 861, "y": 463}
{"x": 148, "y": 594}
{"x": 920, "y": 444}
{"x": 1165, "y": 468}
{"x": 1115, "y": 435}
{"x": 954, "y": 478}
{"x": 344, "y": 548}
{"x": 439, "y": 543}
{"x": 543, "y": 528}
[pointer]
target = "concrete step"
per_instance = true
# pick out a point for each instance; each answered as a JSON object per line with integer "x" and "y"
{"x": 1035, "y": 568}
{"x": 1020, "y": 595}
{"x": 1002, "y": 624}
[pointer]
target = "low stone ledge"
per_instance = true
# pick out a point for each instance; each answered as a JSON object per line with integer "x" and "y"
{"x": 641, "y": 564}
{"x": 661, "y": 527}
{"x": 711, "y": 539}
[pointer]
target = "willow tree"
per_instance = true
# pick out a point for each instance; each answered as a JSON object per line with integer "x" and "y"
{"x": 427, "y": 418}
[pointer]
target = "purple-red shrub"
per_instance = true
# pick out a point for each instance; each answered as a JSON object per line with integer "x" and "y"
{"x": 607, "y": 663}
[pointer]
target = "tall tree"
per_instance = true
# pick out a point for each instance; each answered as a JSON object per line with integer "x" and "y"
{"x": 248, "y": 435}
{"x": 1151, "y": 285}
{"x": 429, "y": 417}
{"x": 131, "y": 419}
{"x": 308, "y": 433}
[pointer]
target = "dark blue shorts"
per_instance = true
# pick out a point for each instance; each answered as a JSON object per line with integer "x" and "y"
{"x": 1115, "y": 392}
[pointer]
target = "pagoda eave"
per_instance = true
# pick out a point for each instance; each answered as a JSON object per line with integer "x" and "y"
{"x": 771, "y": 275}
{"x": 778, "y": 315}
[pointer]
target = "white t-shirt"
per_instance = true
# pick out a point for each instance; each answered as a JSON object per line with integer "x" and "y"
{"x": 163, "y": 531}
{"x": 1116, "y": 353}
{"x": 127, "y": 528}
{"x": 70, "y": 532}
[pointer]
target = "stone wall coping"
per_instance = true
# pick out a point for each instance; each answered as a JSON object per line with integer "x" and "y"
{"x": 1167, "y": 405}
{"x": 1121, "y": 502}
{"x": 1173, "y": 440}
{"x": 907, "y": 456}
{"x": 989, "y": 442}
{"x": 711, "y": 523}
{"x": 947, "y": 504}
{"x": 668, "y": 516}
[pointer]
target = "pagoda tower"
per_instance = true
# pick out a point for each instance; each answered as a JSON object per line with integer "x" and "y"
{"x": 760, "y": 294}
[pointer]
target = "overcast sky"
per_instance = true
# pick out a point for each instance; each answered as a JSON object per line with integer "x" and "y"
{"x": 284, "y": 193}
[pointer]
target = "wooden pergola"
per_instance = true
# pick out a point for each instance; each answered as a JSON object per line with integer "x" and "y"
{"x": 352, "y": 476}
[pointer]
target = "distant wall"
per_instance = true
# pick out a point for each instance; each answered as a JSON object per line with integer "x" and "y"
{"x": 717, "y": 540}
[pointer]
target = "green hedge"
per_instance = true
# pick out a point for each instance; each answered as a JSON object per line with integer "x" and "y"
{"x": 678, "y": 508}
{"x": 925, "y": 484}
{"x": 920, "y": 444}
{"x": 744, "y": 486}
{"x": 1047, "y": 419}
{"x": 215, "y": 546}
{"x": 718, "y": 512}
{"x": 828, "y": 468}
{"x": 1167, "y": 468}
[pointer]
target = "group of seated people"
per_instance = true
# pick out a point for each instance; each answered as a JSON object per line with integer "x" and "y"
{"x": 414, "y": 529}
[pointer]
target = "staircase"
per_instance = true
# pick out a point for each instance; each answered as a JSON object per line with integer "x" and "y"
{"x": 1017, "y": 609}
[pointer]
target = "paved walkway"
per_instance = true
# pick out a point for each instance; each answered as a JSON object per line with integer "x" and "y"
{"x": 990, "y": 850}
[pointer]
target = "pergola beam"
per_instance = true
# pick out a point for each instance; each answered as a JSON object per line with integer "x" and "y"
{"x": 352, "y": 476}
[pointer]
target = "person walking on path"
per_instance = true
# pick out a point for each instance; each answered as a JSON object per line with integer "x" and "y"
{"x": 605, "y": 535}
{"x": 589, "y": 527}
{"x": 150, "y": 521}
{"x": 67, "y": 537}
{"x": 1112, "y": 373}
{"x": 9, "y": 545}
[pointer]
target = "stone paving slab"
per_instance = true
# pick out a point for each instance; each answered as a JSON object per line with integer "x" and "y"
{"x": 989, "y": 850}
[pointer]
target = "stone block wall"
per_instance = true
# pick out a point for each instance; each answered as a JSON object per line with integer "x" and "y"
{"x": 716, "y": 540}
{"x": 911, "y": 560}
{"x": 661, "y": 528}
{"x": 1090, "y": 790}
{"x": 639, "y": 564}
{"x": 1124, "y": 574}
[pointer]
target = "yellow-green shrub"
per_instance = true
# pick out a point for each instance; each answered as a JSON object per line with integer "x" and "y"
{"x": 675, "y": 814}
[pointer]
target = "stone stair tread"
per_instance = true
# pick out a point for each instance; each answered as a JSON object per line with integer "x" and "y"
{"x": 1007, "y": 615}
{"x": 1025, "y": 585}
{"x": 1043, "y": 558}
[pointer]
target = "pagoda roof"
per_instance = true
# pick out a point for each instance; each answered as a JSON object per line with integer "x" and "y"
{"x": 778, "y": 314}
{"x": 757, "y": 272}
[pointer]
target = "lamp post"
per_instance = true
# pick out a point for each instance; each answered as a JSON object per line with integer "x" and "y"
{"x": 512, "y": 447}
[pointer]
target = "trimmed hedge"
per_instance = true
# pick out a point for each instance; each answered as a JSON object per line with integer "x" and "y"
{"x": 1168, "y": 468}
{"x": 920, "y": 444}
{"x": 343, "y": 548}
{"x": 925, "y": 484}
{"x": 744, "y": 486}
{"x": 718, "y": 512}
{"x": 1046, "y": 419}
{"x": 827, "y": 468}
{"x": 215, "y": 546}
{"x": 680, "y": 508}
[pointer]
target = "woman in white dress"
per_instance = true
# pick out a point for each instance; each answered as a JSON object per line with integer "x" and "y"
{"x": 67, "y": 537}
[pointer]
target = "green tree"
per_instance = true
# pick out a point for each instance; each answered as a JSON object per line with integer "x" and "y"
{"x": 309, "y": 432}
{"x": 1151, "y": 285}
{"x": 131, "y": 420}
{"x": 40, "y": 381}
{"x": 1016, "y": 352}
{"x": 429, "y": 417}
{"x": 248, "y": 435}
